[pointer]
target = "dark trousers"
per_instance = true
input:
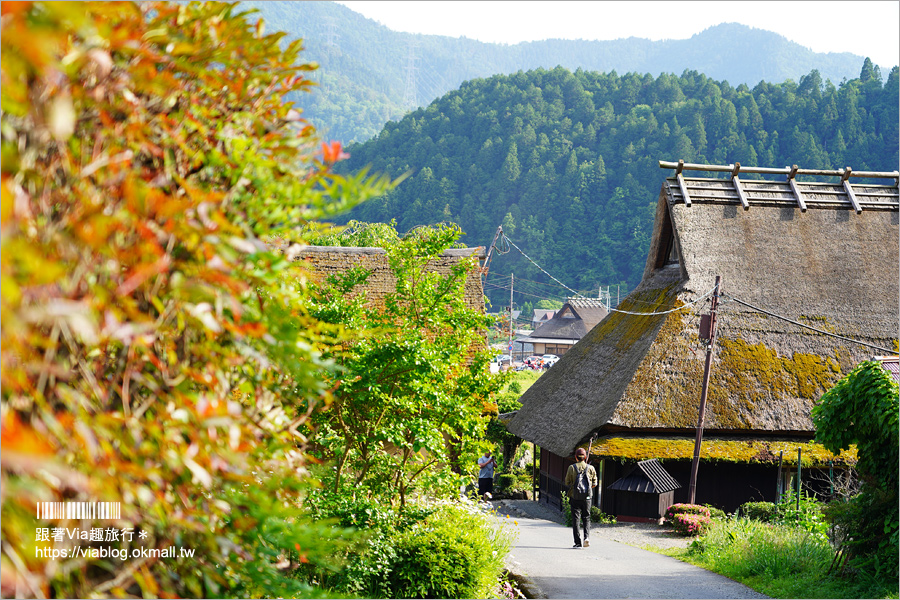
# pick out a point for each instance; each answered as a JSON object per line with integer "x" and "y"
{"x": 485, "y": 485}
{"x": 581, "y": 519}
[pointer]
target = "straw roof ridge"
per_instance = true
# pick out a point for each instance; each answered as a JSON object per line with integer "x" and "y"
{"x": 831, "y": 269}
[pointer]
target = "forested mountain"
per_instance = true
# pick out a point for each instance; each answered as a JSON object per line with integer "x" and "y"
{"x": 568, "y": 162}
{"x": 370, "y": 74}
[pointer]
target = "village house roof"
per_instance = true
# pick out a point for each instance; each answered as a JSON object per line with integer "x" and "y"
{"x": 811, "y": 252}
{"x": 542, "y": 314}
{"x": 571, "y": 322}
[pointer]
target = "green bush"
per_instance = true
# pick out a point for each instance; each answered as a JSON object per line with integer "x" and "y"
{"x": 506, "y": 482}
{"x": 457, "y": 552}
{"x": 515, "y": 481}
{"x": 807, "y": 514}
{"x": 598, "y": 516}
{"x": 759, "y": 511}
{"x": 437, "y": 551}
{"x": 715, "y": 512}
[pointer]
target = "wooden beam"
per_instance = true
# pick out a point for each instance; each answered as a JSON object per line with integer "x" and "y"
{"x": 852, "y": 196}
{"x": 846, "y": 175}
{"x": 679, "y": 167}
{"x": 684, "y": 192}
{"x": 792, "y": 173}
{"x": 779, "y": 171}
{"x": 740, "y": 192}
{"x": 800, "y": 202}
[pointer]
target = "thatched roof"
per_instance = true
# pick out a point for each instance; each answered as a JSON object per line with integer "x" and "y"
{"x": 829, "y": 266}
{"x": 572, "y": 321}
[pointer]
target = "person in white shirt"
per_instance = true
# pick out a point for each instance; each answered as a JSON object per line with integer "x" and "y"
{"x": 486, "y": 466}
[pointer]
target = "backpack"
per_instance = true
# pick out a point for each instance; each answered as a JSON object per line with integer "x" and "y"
{"x": 582, "y": 488}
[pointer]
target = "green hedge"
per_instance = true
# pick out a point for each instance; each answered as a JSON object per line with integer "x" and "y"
{"x": 759, "y": 511}
{"x": 457, "y": 552}
{"x": 452, "y": 550}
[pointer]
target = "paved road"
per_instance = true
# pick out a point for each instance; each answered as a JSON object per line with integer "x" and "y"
{"x": 608, "y": 569}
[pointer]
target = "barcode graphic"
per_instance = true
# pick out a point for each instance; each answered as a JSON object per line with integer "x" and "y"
{"x": 79, "y": 510}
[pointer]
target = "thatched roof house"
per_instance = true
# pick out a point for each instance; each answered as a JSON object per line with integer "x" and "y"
{"x": 567, "y": 326}
{"x": 819, "y": 254}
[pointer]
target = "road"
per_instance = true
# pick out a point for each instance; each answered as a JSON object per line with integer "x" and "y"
{"x": 607, "y": 569}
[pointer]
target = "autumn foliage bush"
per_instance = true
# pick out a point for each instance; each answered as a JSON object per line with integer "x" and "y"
{"x": 155, "y": 352}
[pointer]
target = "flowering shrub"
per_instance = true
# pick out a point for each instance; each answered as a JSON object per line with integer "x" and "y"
{"x": 685, "y": 509}
{"x": 690, "y": 525}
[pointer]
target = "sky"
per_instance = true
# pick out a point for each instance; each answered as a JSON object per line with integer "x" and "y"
{"x": 863, "y": 27}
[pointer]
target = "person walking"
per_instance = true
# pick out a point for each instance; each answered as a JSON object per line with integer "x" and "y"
{"x": 581, "y": 479}
{"x": 486, "y": 465}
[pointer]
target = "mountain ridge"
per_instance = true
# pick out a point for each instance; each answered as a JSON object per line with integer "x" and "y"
{"x": 365, "y": 67}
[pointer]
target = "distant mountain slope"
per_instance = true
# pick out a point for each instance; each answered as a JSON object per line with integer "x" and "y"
{"x": 370, "y": 74}
{"x": 568, "y": 162}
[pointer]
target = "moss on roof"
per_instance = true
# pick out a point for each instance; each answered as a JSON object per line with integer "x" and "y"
{"x": 719, "y": 450}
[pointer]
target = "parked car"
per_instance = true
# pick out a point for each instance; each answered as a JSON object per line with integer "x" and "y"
{"x": 533, "y": 361}
{"x": 503, "y": 358}
{"x": 548, "y": 360}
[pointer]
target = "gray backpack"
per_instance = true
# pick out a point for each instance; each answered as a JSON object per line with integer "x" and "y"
{"x": 582, "y": 489}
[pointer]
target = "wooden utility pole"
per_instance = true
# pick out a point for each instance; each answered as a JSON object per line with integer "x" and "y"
{"x": 710, "y": 322}
{"x": 490, "y": 253}
{"x": 512, "y": 279}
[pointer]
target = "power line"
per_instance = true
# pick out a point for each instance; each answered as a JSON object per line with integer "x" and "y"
{"x": 664, "y": 312}
{"x": 577, "y": 295}
{"x": 834, "y": 335}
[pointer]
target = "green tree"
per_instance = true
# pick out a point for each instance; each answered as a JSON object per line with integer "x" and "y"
{"x": 862, "y": 410}
{"x": 155, "y": 352}
{"x": 412, "y": 385}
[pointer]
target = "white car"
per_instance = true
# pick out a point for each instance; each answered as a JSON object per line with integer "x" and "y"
{"x": 548, "y": 360}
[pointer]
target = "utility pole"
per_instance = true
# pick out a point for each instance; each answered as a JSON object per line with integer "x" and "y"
{"x": 512, "y": 278}
{"x": 707, "y": 331}
{"x": 490, "y": 253}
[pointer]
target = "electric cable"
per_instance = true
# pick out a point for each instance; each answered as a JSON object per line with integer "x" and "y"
{"x": 664, "y": 312}
{"x": 577, "y": 295}
{"x": 834, "y": 335}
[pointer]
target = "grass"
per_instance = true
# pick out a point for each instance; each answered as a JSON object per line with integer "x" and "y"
{"x": 779, "y": 561}
{"x": 526, "y": 378}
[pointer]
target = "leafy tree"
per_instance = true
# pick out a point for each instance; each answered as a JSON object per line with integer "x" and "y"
{"x": 155, "y": 353}
{"x": 862, "y": 410}
{"x": 410, "y": 392}
{"x": 549, "y": 304}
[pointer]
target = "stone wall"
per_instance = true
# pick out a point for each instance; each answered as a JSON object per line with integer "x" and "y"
{"x": 330, "y": 260}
